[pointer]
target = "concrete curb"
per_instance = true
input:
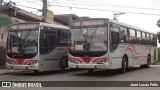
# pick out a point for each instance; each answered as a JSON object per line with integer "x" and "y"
{"x": 155, "y": 65}
{"x": 4, "y": 71}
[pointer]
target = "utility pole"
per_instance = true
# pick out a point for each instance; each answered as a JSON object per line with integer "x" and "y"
{"x": 44, "y": 11}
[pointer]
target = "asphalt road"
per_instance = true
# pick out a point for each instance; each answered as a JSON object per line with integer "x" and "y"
{"x": 133, "y": 74}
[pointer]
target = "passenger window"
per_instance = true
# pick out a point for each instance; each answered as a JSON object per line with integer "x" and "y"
{"x": 132, "y": 36}
{"x": 155, "y": 40}
{"x": 152, "y": 40}
{"x": 148, "y": 38}
{"x": 63, "y": 38}
{"x": 139, "y": 37}
{"x": 143, "y": 38}
{"x": 124, "y": 37}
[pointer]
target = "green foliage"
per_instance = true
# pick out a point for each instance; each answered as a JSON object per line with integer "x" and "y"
{"x": 156, "y": 62}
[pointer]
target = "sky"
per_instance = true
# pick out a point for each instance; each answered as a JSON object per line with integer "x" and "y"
{"x": 140, "y": 13}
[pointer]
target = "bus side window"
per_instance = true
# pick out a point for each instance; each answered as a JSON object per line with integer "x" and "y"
{"x": 143, "y": 38}
{"x": 155, "y": 40}
{"x": 139, "y": 38}
{"x": 63, "y": 38}
{"x": 148, "y": 38}
{"x": 152, "y": 40}
{"x": 132, "y": 36}
{"x": 124, "y": 37}
{"x": 48, "y": 41}
{"x": 114, "y": 38}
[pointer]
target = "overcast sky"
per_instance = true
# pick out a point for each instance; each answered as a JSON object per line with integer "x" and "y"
{"x": 140, "y": 13}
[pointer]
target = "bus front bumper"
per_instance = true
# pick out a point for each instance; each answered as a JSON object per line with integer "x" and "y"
{"x": 22, "y": 67}
{"x": 89, "y": 66}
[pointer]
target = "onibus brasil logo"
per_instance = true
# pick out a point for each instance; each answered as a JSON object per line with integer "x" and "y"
{"x": 21, "y": 84}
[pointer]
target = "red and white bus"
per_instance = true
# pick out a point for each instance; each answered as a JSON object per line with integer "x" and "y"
{"x": 99, "y": 43}
{"x": 37, "y": 46}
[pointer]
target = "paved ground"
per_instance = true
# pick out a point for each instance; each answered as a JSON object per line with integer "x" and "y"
{"x": 4, "y": 71}
{"x": 133, "y": 74}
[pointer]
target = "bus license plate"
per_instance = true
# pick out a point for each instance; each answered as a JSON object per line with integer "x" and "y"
{"x": 101, "y": 66}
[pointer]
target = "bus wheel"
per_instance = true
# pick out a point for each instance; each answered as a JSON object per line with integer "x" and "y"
{"x": 90, "y": 70}
{"x": 36, "y": 71}
{"x": 148, "y": 62}
{"x": 124, "y": 64}
{"x": 63, "y": 64}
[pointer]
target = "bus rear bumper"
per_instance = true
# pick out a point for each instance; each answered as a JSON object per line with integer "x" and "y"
{"x": 22, "y": 67}
{"x": 89, "y": 66}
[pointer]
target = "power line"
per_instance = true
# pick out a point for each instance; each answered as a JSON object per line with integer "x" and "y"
{"x": 83, "y": 10}
{"x": 28, "y": 7}
{"x": 31, "y": 1}
{"x": 92, "y": 9}
{"x": 58, "y": 4}
{"x": 54, "y": 9}
{"x": 111, "y": 5}
{"x": 106, "y": 10}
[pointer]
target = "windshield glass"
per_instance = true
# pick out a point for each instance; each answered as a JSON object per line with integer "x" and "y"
{"x": 89, "y": 39}
{"x": 22, "y": 43}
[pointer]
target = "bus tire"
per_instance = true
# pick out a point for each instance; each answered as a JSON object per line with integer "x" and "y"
{"x": 90, "y": 71}
{"x": 124, "y": 65}
{"x": 148, "y": 62}
{"x": 142, "y": 66}
{"x": 63, "y": 64}
{"x": 36, "y": 71}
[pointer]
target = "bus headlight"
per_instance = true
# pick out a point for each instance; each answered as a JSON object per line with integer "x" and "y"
{"x": 74, "y": 60}
{"x": 10, "y": 61}
{"x": 100, "y": 60}
{"x": 33, "y": 63}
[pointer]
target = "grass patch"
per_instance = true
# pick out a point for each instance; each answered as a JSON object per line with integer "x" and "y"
{"x": 156, "y": 62}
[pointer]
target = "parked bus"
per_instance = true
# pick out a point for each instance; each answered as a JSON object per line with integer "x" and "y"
{"x": 98, "y": 43}
{"x": 37, "y": 46}
{"x": 4, "y": 21}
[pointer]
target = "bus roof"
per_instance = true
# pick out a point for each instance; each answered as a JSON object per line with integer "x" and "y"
{"x": 54, "y": 25}
{"x": 117, "y": 22}
{"x": 43, "y": 24}
{"x": 130, "y": 26}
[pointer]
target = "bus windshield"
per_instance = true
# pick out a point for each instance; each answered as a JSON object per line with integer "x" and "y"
{"x": 89, "y": 39}
{"x": 22, "y": 43}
